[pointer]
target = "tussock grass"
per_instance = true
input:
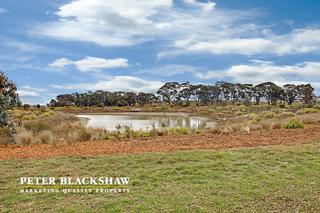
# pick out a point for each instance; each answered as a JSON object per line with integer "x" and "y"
{"x": 52, "y": 128}
{"x": 25, "y": 138}
{"x": 5, "y": 135}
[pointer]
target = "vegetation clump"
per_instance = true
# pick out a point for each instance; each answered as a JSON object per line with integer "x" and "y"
{"x": 307, "y": 110}
{"x": 293, "y": 124}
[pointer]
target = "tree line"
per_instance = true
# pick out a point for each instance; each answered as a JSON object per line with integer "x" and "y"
{"x": 184, "y": 93}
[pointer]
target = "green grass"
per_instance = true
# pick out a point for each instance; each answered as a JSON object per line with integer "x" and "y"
{"x": 276, "y": 179}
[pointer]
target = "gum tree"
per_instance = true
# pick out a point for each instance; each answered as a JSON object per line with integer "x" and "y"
{"x": 8, "y": 98}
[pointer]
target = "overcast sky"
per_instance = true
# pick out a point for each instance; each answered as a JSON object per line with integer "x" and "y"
{"x": 57, "y": 46}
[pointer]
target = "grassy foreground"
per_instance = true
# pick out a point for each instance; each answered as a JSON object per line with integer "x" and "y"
{"x": 276, "y": 178}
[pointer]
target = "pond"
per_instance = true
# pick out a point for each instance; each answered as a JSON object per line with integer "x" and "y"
{"x": 145, "y": 121}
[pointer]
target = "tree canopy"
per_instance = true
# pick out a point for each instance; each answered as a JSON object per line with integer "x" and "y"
{"x": 184, "y": 93}
{"x": 8, "y": 97}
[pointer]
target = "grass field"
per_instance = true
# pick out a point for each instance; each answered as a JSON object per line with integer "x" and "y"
{"x": 275, "y": 178}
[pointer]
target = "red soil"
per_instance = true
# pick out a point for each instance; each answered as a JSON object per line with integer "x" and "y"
{"x": 165, "y": 144}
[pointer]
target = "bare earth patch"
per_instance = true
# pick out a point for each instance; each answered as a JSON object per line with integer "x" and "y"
{"x": 165, "y": 144}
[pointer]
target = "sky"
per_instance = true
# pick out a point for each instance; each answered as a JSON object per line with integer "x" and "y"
{"x": 57, "y": 46}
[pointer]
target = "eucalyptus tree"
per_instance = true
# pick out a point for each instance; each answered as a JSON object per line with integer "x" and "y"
{"x": 291, "y": 92}
{"x": 8, "y": 98}
{"x": 131, "y": 98}
{"x": 169, "y": 91}
{"x": 269, "y": 91}
{"x": 306, "y": 93}
{"x": 146, "y": 98}
{"x": 226, "y": 90}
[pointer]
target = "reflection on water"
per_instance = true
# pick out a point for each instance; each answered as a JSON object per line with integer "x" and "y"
{"x": 143, "y": 121}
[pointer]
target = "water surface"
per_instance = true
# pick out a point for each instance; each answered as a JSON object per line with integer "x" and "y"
{"x": 144, "y": 121}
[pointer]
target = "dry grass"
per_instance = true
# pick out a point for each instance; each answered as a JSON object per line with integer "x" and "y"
{"x": 25, "y": 138}
{"x": 5, "y": 135}
{"x": 50, "y": 129}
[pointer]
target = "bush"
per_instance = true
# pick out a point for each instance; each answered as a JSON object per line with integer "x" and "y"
{"x": 307, "y": 110}
{"x": 254, "y": 118}
{"x": 293, "y": 124}
{"x": 269, "y": 115}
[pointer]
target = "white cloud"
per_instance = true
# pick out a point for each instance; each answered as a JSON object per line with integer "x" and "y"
{"x": 131, "y": 22}
{"x": 262, "y": 71}
{"x": 91, "y": 63}
{"x": 111, "y": 23}
{"x": 188, "y": 28}
{"x": 116, "y": 83}
{"x": 296, "y": 42}
{"x": 27, "y": 93}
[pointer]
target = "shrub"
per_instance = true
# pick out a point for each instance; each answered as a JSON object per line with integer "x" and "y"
{"x": 269, "y": 115}
{"x": 254, "y": 118}
{"x": 293, "y": 124}
{"x": 307, "y": 110}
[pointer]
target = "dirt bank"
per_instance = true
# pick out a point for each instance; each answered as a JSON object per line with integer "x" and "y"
{"x": 165, "y": 144}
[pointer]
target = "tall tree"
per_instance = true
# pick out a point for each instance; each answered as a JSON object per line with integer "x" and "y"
{"x": 292, "y": 93}
{"x": 146, "y": 98}
{"x": 306, "y": 93}
{"x": 8, "y": 98}
{"x": 9, "y": 90}
{"x": 169, "y": 91}
{"x": 269, "y": 91}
